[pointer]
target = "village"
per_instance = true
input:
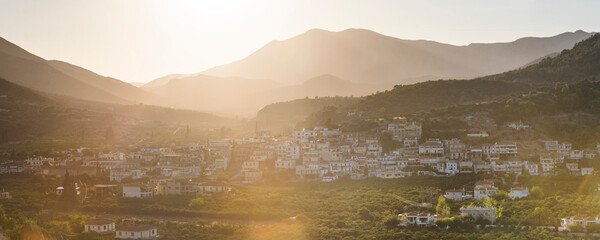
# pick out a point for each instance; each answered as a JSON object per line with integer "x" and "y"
{"x": 314, "y": 155}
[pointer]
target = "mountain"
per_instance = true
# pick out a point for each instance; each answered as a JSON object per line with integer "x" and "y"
{"x": 570, "y": 66}
{"x": 164, "y": 80}
{"x": 208, "y": 93}
{"x": 246, "y": 96}
{"x": 360, "y": 55}
{"x": 29, "y": 115}
{"x": 137, "y": 84}
{"x": 321, "y": 86}
{"x": 26, "y": 69}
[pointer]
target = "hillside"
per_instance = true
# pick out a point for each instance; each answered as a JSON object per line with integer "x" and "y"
{"x": 580, "y": 63}
{"x": 29, "y": 116}
{"x": 21, "y": 67}
{"x": 287, "y": 114}
{"x": 360, "y": 55}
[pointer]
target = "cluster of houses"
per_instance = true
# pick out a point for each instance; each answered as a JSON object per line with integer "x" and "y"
{"x": 318, "y": 154}
{"x": 484, "y": 189}
{"x": 105, "y": 226}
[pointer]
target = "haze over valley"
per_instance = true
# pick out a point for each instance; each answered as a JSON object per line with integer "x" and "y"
{"x": 268, "y": 120}
{"x": 317, "y": 63}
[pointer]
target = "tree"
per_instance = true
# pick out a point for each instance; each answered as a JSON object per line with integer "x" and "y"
{"x": 574, "y": 227}
{"x": 222, "y": 177}
{"x": 537, "y": 193}
{"x": 68, "y": 199}
{"x": 391, "y": 221}
{"x": 442, "y": 207}
{"x": 501, "y": 195}
{"x": 196, "y": 203}
{"x": 365, "y": 214}
{"x": 490, "y": 202}
{"x": 541, "y": 216}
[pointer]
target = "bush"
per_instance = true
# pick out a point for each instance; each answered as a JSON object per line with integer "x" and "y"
{"x": 536, "y": 193}
{"x": 575, "y": 227}
{"x": 391, "y": 221}
{"x": 196, "y": 203}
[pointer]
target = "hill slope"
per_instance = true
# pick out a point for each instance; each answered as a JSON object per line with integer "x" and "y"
{"x": 28, "y": 115}
{"x": 26, "y": 69}
{"x": 365, "y": 56}
{"x": 580, "y": 63}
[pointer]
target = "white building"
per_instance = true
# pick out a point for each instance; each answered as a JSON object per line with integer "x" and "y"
{"x": 458, "y": 194}
{"x": 417, "y": 219}
{"x": 432, "y": 147}
{"x": 575, "y": 220}
{"x": 547, "y": 163}
{"x": 285, "y": 164}
{"x": 99, "y": 226}
{"x": 403, "y": 130}
{"x": 519, "y": 192}
{"x": 137, "y": 191}
{"x": 587, "y": 171}
{"x": 486, "y": 213}
{"x": 452, "y": 167}
{"x": 137, "y": 232}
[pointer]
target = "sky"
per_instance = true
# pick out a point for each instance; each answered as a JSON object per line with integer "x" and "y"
{"x": 140, "y": 40}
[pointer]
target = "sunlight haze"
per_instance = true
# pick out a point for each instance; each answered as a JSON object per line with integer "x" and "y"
{"x": 137, "y": 41}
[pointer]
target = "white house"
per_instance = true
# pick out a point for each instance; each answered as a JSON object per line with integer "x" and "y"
{"x": 452, "y": 167}
{"x": 417, "y": 219}
{"x": 547, "y": 163}
{"x": 487, "y": 213}
{"x": 137, "y": 191}
{"x": 481, "y": 193}
{"x": 458, "y": 194}
{"x": 100, "y": 226}
{"x": 483, "y": 189}
{"x": 431, "y": 147}
{"x": 285, "y": 164}
{"x": 137, "y": 232}
{"x": 519, "y": 192}
{"x": 587, "y": 171}
{"x": 212, "y": 187}
{"x": 584, "y": 222}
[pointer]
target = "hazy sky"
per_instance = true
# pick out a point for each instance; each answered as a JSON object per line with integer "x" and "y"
{"x": 142, "y": 40}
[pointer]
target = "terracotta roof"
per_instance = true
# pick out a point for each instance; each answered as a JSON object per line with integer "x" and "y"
{"x": 136, "y": 228}
{"x": 99, "y": 221}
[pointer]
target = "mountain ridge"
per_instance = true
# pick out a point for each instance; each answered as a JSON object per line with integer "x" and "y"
{"x": 362, "y": 55}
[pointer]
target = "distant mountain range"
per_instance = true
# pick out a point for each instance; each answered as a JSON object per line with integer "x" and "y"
{"x": 580, "y": 63}
{"x": 354, "y": 62}
{"x": 365, "y": 56}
